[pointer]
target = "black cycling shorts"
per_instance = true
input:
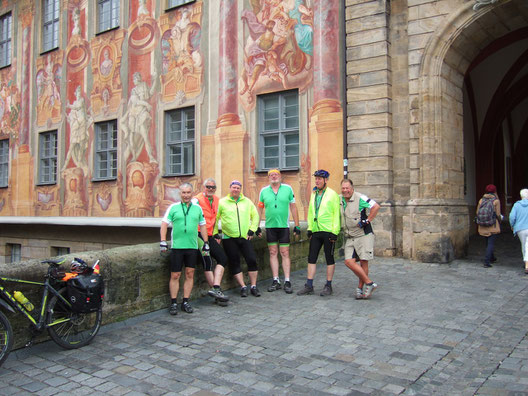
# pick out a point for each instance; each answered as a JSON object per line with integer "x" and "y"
{"x": 181, "y": 257}
{"x": 278, "y": 235}
{"x": 318, "y": 240}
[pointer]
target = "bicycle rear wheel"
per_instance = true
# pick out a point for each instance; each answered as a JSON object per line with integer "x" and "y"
{"x": 69, "y": 329}
{"x": 6, "y": 338}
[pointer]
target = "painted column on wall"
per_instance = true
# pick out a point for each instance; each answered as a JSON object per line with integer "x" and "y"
{"x": 326, "y": 122}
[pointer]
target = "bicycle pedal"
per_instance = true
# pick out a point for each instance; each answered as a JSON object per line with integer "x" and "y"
{"x": 29, "y": 343}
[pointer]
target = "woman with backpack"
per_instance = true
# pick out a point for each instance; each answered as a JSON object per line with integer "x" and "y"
{"x": 488, "y": 218}
{"x": 519, "y": 224}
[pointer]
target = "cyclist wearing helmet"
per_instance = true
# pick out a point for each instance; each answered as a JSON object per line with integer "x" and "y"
{"x": 323, "y": 227}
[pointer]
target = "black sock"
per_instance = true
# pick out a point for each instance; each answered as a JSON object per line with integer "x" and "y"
{"x": 329, "y": 283}
{"x": 216, "y": 286}
{"x": 185, "y": 300}
{"x": 174, "y": 300}
{"x": 370, "y": 284}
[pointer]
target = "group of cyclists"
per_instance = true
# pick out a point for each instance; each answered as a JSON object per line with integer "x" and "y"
{"x": 239, "y": 218}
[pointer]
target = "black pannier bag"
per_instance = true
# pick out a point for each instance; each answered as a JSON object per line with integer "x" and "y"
{"x": 86, "y": 292}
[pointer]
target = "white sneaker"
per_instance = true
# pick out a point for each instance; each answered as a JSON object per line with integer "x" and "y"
{"x": 368, "y": 290}
{"x": 359, "y": 294}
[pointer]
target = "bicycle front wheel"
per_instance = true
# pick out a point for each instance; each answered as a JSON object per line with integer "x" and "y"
{"x": 6, "y": 337}
{"x": 69, "y": 329}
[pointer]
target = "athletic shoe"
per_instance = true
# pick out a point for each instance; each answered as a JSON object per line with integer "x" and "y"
{"x": 243, "y": 291}
{"x": 327, "y": 290}
{"x": 186, "y": 307}
{"x": 288, "y": 287}
{"x": 255, "y": 291}
{"x": 487, "y": 265}
{"x": 359, "y": 293}
{"x": 218, "y": 294}
{"x": 305, "y": 290}
{"x": 493, "y": 259}
{"x": 274, "y": 286}
{"x": 173, "y": 310}
{"x": 369, "y": 289}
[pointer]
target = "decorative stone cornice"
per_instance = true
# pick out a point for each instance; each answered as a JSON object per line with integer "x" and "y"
{"x": 483, "y": 3}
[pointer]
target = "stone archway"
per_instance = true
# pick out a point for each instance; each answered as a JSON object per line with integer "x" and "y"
{"x": 437, "y": 224}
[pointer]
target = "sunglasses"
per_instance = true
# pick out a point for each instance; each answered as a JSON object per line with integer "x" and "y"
{"x": 211, "y": 187}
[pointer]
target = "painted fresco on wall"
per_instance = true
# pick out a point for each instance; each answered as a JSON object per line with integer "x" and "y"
{"x": 78, "y": 50}
{"x": 48, "y": 82}
{"x": 9, "y": 103}
{"x": 182, "y": 59}
{"x": 278, "y": 49}
{"x": 106, "y": 64}
{"x": 143, "y": 33}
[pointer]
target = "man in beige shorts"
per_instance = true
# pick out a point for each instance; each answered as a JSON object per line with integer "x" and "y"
{"x": 357, "y": 212}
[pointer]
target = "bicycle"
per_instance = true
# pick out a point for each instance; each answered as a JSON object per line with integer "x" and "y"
{"x": 67, "y": 328}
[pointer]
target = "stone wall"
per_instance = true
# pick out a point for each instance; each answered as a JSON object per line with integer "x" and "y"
{"x": 136, "y": 280}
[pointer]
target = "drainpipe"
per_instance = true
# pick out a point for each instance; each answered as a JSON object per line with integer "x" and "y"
{"x": 342, "y": 28}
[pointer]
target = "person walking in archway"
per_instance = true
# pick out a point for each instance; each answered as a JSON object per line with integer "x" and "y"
{"x": 519, "y": 224}
{"x": 488, "y": 218}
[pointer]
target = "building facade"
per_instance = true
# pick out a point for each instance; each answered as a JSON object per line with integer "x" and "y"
{"x": 107, "y": 106}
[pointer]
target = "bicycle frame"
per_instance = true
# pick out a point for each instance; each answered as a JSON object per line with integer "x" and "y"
{"x": 8, "y": 301}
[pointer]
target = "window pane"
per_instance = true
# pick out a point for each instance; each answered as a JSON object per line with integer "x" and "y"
{"x": 279, "y": 134}
{"x": 180, "y": 134}
{"x": 106, "y": 150}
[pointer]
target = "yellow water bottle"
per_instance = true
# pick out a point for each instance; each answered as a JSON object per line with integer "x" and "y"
{"x": 23, "y": 300}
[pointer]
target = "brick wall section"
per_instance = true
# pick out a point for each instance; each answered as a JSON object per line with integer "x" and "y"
{"x": 368, "y": 96}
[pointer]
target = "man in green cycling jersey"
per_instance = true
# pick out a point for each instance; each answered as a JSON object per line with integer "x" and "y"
{"x": 323, "y": 227}
{"x": 185, "y": 218}
{"x": 357, "y": 211}
{"x": 278, "y": 201}
{"x": 240, "y": 220}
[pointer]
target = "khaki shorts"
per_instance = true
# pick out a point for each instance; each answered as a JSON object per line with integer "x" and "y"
{"x": 363, "y": 246}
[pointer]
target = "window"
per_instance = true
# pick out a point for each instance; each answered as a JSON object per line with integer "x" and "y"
{"x": 59, "y": 251}
{"x": 50, "y": 24}
{"x": 108, "y": 14}
{"x": 48, "y": 158}
{"x": 14, "y": 252}
{"x": 179, "y": 127}
{"x": 106, "y": 150}
{"x": 176, "y": 3}
{"x": 5, "y": 40}
{"x": 4, "y": 162}
{"x": 279, "y": 130}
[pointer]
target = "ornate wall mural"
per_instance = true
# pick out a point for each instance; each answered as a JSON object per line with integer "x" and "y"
{"x": 106, "y": 64}
{"x": 9, "y": 103}
{"x": 278, "y": 49}
{"x": 182, "y": 59}
{"x": 48, "y": 81}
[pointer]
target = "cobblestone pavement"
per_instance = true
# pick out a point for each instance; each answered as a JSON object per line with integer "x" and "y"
{"x": 450, "y": 329}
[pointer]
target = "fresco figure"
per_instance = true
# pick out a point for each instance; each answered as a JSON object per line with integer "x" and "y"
{"x": 106, "y": 64}
{"x": 48, "y": 90}
{"x": 142, "y": 8}
{"x": 137, "y": 119}
{"x": 279, "y": 47}
{"x": 76, "y": 16}
{"x": 79, "y": 138}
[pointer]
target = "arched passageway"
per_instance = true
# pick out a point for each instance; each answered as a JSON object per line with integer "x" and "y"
{"x": 496, "y": 117}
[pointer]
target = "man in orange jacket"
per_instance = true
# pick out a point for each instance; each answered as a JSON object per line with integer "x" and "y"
{"x": 208, "y": 201}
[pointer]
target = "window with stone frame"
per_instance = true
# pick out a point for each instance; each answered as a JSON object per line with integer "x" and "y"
{"x": 107, "y": 15}
{"x": 50, "y": 24}
{"x": 105, "y": 153}
{"x": 179, "y": 141}
{"x": 278, "y": 130}
{"x": 4, "y": 162}
{"x": 47, "y": 171}
{"x": 13, "y": 252}
{"x": 5, "y": 39}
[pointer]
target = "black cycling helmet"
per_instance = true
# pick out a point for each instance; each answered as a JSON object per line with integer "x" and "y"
{"x": 322, "y": 173}
{"x": 78, "y": 266}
